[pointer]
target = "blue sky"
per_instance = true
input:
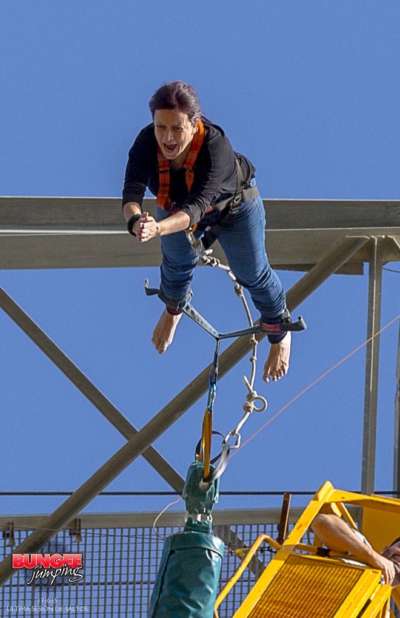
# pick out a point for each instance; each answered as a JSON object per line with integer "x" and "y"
{"x": 309, "y": 91}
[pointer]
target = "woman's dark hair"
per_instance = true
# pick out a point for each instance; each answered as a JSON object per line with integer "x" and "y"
{"x": 176, "y": 95}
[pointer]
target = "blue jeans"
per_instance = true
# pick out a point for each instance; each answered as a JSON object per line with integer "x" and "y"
{"x": 243, "y": 242}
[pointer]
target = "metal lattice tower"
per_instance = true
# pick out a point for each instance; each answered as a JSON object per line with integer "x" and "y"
{"x": 318, "y": 237}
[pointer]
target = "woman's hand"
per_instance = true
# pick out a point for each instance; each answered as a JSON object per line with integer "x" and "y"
{"x": 148, "y": 228}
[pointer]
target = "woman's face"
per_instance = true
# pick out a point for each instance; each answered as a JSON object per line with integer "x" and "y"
{"x": 174, "y": 132}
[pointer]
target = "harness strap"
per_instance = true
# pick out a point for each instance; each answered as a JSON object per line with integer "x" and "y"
{"x": 164, "y": 174}
{"x": 222, "y": 458}
{"x": 235, "y": 201}
{"x": 194, "y": 150}
{"x": 230, "y": 206}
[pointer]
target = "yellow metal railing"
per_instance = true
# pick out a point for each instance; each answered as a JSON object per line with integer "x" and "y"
{"x": 244, "y": 564}
{"x": 299, "y": 583}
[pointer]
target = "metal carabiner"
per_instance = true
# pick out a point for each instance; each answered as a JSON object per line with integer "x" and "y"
{"x": 235, "y": 433}
{"x": 232, "y": 434}
{"x": 195, "y": 243}
{"x": 212, "y": 393}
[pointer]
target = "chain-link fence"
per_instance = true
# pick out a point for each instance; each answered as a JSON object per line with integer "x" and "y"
{"x": 120, "y": 564}
{"x": 121, "y": 554}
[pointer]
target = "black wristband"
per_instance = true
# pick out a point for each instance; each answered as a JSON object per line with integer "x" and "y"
{"x": 130, "y": 222}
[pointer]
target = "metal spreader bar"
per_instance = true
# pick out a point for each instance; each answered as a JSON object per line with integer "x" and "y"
{"x": 194, "y": 315}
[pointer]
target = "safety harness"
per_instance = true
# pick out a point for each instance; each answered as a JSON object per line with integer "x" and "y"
{"x": 226, "y": 207}
{"x": 229, "y": 207}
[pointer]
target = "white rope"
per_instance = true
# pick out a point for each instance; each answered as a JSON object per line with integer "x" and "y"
{"x": 162, "y": 513}
{"x": 252, "y": 396}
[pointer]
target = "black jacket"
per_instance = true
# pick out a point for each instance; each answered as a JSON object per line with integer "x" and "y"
{"x": 215, "y": 175}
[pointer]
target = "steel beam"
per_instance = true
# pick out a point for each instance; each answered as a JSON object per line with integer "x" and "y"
{"x": 329, "y": 264}
{"x": 396, "y": 457}
{"x": 105, "y": 213}
{"x": 146, "y": 519}
{"x": 372, "y": 365}
{"x": 90, "y": 232}
{"x": 92, "y": 393}
{"x": 389, "y": 252}
{"x": 396, "y": 450}
{"x": 86, "y": 387}
{"x": 138, "y": 444}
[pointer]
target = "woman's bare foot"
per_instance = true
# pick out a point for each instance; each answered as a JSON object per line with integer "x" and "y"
{"x": 164, "y": 332}
{"x": 277, "y": 363}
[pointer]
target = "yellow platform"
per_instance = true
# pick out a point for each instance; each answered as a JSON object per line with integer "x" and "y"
{"x": 299, "y": 584}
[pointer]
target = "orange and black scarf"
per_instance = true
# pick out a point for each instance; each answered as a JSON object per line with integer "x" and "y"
{"x": 164, "y": 176}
